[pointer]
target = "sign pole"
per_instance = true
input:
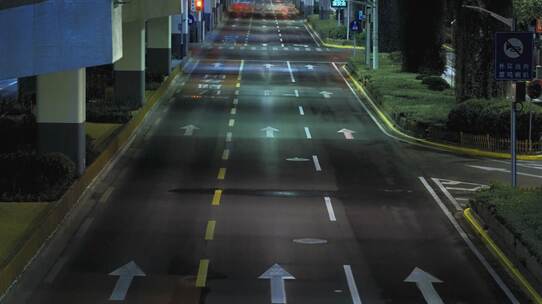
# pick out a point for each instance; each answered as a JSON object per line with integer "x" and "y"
{"x": 368, "y": 37}
{"x": 513, "y": 120}
{"x": 375, "y": 35}
{"x": 348, "y": 21}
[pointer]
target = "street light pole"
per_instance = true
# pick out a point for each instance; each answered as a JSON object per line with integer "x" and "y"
{"x": 375, "y": 35}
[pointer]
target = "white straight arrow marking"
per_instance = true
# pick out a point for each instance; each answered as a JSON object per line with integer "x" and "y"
{"x": 189, "y": 130}
{"x": 276, "y": 274}
{"x": 270, "y": 132}
{"x": 301, "y": 112}
{"x": 352, "y": 284}
{"x": 126, "y": 275}
{"x": 310, "y": 67}
{"x": 316, "y": 163}
{"x": 329, "y": 208}
{"x": 326, "y": 94}
{"x": 308, "y": 133}
{"x": 347, "y": 133}
{"x": 425, "y": 281}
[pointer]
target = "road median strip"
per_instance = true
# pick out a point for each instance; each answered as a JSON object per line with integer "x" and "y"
{"x": 398, "y": 134}
{"x": 43, "y": 228}
{"x": 518, "y": 277}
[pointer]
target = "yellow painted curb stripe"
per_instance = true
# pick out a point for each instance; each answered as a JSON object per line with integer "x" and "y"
{"x": 221, "y": 173}
{"x": 210, "y": 230}
{"x": 201, "y": 279}
{"x": 503, "y": 259}
{"x": 216, "y": 197}
{"x": 450, "y": 148}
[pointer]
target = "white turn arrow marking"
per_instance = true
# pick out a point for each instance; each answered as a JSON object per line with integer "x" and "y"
{"x": 326, "y": 94}
{"x": 276, "y": 274}
{"x": 425, "y": 282}
{"x": 217, "y": 64}
{"x": 268, "y": 65}
{"x": 297, "y": 159}
{"x": 310, "y": 67}
{"x": 347, "y": 133}
{"x": 189, "y": 130}
{"x": 270, "y": 131}
{"x": 126, "y": 275}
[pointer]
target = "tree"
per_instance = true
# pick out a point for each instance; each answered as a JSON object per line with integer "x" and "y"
{"x": 527, "y": 10}
{"x": 422, "y": 35}
{"x": 474, "y": 35}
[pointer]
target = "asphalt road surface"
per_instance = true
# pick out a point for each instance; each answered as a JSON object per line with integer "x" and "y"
{"x": 263, "y": 180}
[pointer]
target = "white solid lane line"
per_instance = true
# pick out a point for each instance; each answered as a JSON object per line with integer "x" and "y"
{"x": 469, "y": 243}
{"x": 301, "y": 112}
{"x": 290, "y": 70}
{"x": 329, "y": 208}
{"x": 308, "y": 133}
{"x": 352, "y": 284}
{"x": 316, "y": 163}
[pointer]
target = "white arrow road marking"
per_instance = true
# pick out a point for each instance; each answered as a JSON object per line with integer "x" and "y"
{"x": 326, "y": 94}
{"x": 310, "y": 67}
{"x": 276, "y": 274}
{"x": 268, "y": 65}
{"x": 290, "y": 70}
{"x": 316, "y": 163}
{"x": 217, "y": 64}
{"x": 297, "y": 159}
{"x": 301, "y": 112}
{"x": 308, "y": 133}
{"x": 352, "y": 284}
{"x": 126, "y": 275}
{"x": 269, "y": 132}
{"x": 329, "y": 208}
{"x": 347, "y": 133}
{"x": 503, "y": 171}
{"x": 189, "y": 130}
{"x": 467, "y": 241}
{"x": 425, "y": 282}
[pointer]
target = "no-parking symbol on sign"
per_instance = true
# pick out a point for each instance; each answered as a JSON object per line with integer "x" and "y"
{"x": 514, "y": 56}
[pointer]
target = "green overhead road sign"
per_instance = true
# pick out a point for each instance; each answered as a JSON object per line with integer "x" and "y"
{"x": 339, "y": 3}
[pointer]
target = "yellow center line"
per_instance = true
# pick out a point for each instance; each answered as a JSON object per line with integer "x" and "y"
{"x": 221, "y": 173}
{"x": 210, "y": 230}
{"x": 226, "y": 154}
{"x": 217, "y": 197}
{"x": 201, "y": 279}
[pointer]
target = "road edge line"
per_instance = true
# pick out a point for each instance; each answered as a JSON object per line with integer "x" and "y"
{"x": 427, "y": 143}
{"x": 516, "y": 274}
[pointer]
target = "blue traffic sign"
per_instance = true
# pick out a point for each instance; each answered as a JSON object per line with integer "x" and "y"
{"x": 191, "y": 19}
{"x": 514, "y": 56}
{"x": 355, "y": 26}
{"x": 338, "y": 3}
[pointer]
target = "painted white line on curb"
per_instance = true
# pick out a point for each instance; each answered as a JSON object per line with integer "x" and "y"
{"x": 469, "y": 243}
{"x": 235, "y": 101}
{"x": 231, "y": 123}
{"x": 301, "y": 112}
{"x": 316, "y": 163}
{"x": 329, "y": 208}
{"x": 228, "y": 136}
{"x": 233, "y": 111}
{"x": 352, "y": 284}
{"x": 308, "y": 133}
{"x": 447, "y": 194}
{"x": 290, "y": 70}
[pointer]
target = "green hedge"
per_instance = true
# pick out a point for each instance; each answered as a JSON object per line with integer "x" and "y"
{"x": 482, "y": 116}
{"x": 519, "y": 210}
{"x": 34, "y": 177}
{"x": 329, "y": 30}
{"x": 108, "y": 113}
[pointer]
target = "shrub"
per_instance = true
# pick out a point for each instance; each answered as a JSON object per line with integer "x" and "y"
{"x": 435, "y": 83}
{"x": 18, "y": 132}
{"x": 108, "y": 113}
{"x": 34, "y": 177}
{"x": 492, "y": 116}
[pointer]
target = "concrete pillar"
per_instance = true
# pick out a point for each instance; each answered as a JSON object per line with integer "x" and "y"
{"x": 159, "y": 46}
{"x": 61, "y": 114}
{"x": 130, "y": 69}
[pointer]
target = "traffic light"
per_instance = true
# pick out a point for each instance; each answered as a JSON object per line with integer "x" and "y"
{"x": 199, "y": 5}
{"x": 534, "y": 88}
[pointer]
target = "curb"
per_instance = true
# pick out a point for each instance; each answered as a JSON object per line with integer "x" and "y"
{"x": 503, "y": 259}
{"x": 427, "y": 143}
{"x": 46, "y": 226}
{"x": 331, "y": 45}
